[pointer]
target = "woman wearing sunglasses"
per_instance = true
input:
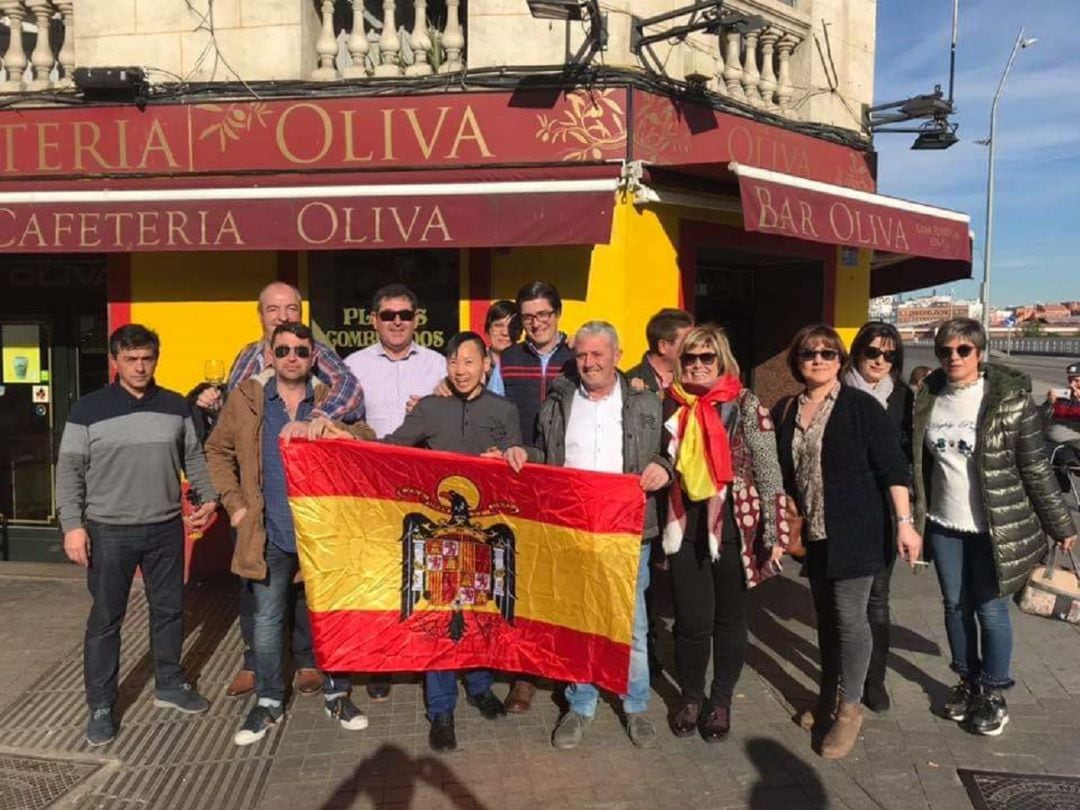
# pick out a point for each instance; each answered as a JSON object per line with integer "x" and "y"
{"x": 842, "y": 461}
{"x": 986, "y": 492}
{"x": 875, "y": 366}
{"x": 722, "y": 531}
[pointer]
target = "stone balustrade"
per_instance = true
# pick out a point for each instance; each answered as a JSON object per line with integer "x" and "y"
{"x": 37, "y": 44}
{"x": 388, "y": 38}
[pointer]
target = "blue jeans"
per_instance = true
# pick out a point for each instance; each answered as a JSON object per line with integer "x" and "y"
{"x": 582, "y": 697}
{"x": 271, "y": 597}
{"x": 973, "y": 610}
{"x": 441, "y": 689}
{"x": 115, "y": 553}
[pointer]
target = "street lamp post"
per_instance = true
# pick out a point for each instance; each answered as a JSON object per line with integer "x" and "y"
{"x": 988, "y": 238}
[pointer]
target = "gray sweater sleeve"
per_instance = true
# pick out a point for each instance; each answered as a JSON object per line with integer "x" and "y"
{"x": 195, "y": 464}
{"x": 71, "y": 467}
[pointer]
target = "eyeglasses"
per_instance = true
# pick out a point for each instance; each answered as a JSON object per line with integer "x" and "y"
{"x": 828, "y": 355}
{"x": 538, "y": 317}
{"x": 281, "y": 352}
{"x": 705, "y": 358}
{"x": 873, "y": 353}
{"x": 945, "y": 352}
{"x": 388, "y": 315}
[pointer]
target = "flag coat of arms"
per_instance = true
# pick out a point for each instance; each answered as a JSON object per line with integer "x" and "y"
{"x": 417, "y": 560}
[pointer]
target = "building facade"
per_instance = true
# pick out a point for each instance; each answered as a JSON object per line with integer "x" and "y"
{"x": 463, "y": 148}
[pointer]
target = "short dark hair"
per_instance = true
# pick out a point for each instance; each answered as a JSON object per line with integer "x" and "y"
{"x": 870, "y": 332}
{"x": 961, "y": 329}
{"x": 460, "y": 339}
{"x": 665, "y": 325}
{"x": 499, "y": 310}
{"x": 293, "y": 328}
{"x": 393, "y": 290}
{"x": 134, "y": 336}
{"x": 539, "y": 289}
{"x": 807, "y": 336}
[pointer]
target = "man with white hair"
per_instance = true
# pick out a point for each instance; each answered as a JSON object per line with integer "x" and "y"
{"x": 600, "y": 422}
{"x": 282, "y": 303}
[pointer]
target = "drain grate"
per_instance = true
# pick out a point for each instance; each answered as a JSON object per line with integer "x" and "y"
{"x": 995, "y": 790}
{"x": 29, "y": 783}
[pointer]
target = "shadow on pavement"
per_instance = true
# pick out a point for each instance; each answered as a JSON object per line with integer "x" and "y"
{"x": 368, "y": 777}
{"x": 782, "y": 776}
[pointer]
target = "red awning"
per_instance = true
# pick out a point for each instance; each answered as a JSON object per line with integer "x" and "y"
{"x": 330, "y": 216}
{"x": 786, "y": 205}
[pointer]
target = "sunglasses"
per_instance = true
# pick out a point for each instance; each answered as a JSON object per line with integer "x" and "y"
{"x": 705, "y": 358}
{"x": 828, "y": 355}
{"x": 388, "y": 315}
{"x": 873, "y": 353}
{"x": 945, "y": 352}
{"x": 281, "y": 352}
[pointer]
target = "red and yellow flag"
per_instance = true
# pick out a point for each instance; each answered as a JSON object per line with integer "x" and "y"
{"x": 418, "y": 560}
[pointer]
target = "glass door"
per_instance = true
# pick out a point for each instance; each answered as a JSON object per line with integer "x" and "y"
{"x": 27, "y": 423}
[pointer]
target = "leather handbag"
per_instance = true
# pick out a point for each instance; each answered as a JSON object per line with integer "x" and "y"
{"x": 1052, "y": 590}
{"x": 791, "y": 514}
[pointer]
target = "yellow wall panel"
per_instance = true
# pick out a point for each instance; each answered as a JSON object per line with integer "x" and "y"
{"x": 852, "y": 294}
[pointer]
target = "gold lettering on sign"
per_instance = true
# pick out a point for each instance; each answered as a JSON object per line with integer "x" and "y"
{"x": 47, "y": 145}
{"x": 228, "y": 226}
{"x": 118, "y": 218}
{"x": 88, "y": 233}
{"x": 33, "y": 228}
{"x": 436, "y": 222}
{"x": 9, "y": 144}
{"x": 157, "y": 142}
{"x": 469, "y": 123}
{"x": 302, "y": 218}
{"x": 388, "y": 135}
{"x": 350, "y": 237}
{"x": 176, "y": 222}
{"x": 62, "y": 223}
{"x": 901, "y": 237}
{"x": 79, "y": 128}
{"x": 350, "y": 148}
{"x": 122, "y": 145}
{"x": 807, "y": 224}
{"x": 8, "y": 213}
{"x": 426, "y": 146}
{"x": 148, "y": 221}
{"x": 835, "y": 210}
{"x": 327, "y": 133}
{"x": 405, "y": 234}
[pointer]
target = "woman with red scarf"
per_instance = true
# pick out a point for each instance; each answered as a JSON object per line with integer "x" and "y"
{"x": 723, "y": 532}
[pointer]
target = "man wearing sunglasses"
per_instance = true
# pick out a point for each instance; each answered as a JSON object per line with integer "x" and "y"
{"x": 246, "y": 466}
{"x": 281, "y": 303}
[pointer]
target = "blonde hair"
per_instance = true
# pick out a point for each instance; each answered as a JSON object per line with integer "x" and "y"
{"x": 711, "y": 336}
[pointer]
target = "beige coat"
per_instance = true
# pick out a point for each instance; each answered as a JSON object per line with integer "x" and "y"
{"x": 234, "y": 455}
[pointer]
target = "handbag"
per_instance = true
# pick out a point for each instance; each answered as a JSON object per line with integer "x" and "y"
{"x": 1052, "y": 590}
{"x": 791, "y": 514}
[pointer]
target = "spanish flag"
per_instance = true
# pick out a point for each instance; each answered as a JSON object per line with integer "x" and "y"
{"x": 418, "y": 560}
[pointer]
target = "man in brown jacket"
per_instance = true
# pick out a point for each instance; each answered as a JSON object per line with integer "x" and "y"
{"x": 247, "y": 469}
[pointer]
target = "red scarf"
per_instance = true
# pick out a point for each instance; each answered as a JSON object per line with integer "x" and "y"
{"x": 707, "y": 432}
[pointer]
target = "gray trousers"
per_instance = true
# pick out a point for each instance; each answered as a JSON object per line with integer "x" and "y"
{"x": 844, "y": 637}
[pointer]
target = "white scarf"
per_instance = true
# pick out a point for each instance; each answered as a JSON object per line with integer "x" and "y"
{"x": 881, "y": 392}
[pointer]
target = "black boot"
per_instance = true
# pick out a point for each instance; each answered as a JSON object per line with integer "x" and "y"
{"x": 875, "y": 696}
{"x": 441, "y": 736}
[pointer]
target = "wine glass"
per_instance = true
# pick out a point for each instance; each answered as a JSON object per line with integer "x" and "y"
{"x": 214, "y": 371}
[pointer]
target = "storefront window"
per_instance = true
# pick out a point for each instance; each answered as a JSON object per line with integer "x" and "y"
{"x": 342, "y": 285}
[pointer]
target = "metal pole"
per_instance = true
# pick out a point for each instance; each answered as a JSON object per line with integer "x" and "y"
{"x": 988, "y": 239}
{"x": 952, "y": 49}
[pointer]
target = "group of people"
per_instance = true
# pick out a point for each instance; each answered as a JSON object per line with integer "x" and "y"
{"x": 851, "y": 474}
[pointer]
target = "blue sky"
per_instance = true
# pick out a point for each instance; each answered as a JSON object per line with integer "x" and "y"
{"x": 1036, "y": 252}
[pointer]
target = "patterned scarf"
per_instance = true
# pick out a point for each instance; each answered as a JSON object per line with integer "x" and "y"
{"x": 703, "y": 458}
{"x": 881, "y": 392}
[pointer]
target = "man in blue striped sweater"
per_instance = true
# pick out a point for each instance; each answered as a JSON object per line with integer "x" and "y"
{"x": 118, "y": 493}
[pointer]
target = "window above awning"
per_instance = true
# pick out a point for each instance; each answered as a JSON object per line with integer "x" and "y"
{"x": 244, "y": 214}
{"x": 786, "y": 205}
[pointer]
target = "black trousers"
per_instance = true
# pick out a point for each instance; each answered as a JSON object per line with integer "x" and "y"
{"x": 710, "y": 619}
{"x": 877, "y": 611}
{"x": 115, "y": 553}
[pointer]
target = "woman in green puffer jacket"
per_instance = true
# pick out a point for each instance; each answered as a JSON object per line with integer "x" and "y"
{"x": 986, "y": 500}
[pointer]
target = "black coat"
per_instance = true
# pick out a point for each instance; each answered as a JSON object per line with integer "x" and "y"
{"x": 900, "y": 408}
{"x": 860, "y": 458}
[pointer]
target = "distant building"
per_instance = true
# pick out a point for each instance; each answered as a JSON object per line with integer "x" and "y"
{"x": 933, "y": 310}
{"x": 883, "y": 308}
{"x": 1044, "y": 313}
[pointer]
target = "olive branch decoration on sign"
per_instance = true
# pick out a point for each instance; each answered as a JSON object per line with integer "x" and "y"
{"x": 592, "y": 127}
{"x": 234, "y": 120}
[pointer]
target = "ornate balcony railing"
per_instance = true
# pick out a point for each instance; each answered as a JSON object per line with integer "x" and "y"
{"x": 362, "y": 38}
{"x": 37, "y": 43}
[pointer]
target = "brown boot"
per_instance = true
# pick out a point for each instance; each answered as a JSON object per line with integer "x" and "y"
{"x": 519, "y": 701}
{"x": 308, "y": 681}
{"x": 844, "y": 732}
{"x": 242, "y": 684}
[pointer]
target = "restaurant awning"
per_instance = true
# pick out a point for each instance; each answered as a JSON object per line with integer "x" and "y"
{"x": 245, "y": 213}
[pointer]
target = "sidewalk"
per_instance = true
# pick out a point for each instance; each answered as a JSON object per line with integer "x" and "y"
{"x": 905, "y": 759}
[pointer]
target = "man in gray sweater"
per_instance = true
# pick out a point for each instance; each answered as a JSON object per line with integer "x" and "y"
{"x": 118, "y": 493}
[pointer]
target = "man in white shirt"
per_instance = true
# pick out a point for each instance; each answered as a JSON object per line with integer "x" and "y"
{"x": 601, "y": 423}
{"x": 393, "y": 373}
{"x": 396, "y": 369}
